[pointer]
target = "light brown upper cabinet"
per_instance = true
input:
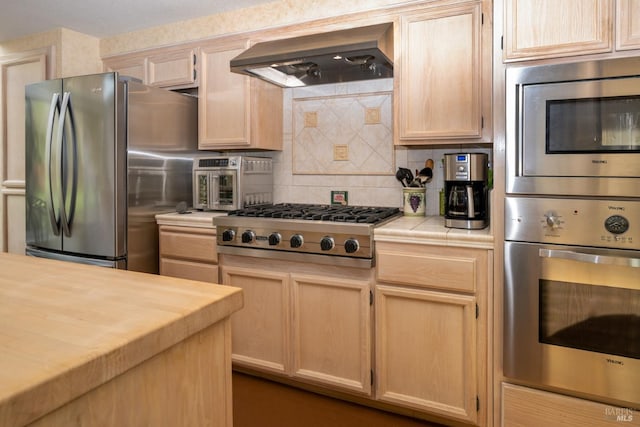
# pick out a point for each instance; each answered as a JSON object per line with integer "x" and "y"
{"x": 627, "y": 24}
{"x": 171, "y": 67}
{"x": 443, "y": 76}
{"x": 128, "y": 65}
{"x": 235, "y": 111}
{"x": 536, "y": 29}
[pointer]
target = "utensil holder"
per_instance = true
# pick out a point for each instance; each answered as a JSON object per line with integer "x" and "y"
{"x": 414, "y": 200}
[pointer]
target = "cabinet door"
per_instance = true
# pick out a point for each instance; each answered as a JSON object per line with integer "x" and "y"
{"x": 172, "y": 68}
{"x": 441, "y": 74}
{"x": 131, "y": 66}
{"x": 332, "y": 331}
{"x": 15, "y": 72}
{"x": 223, "y": 102}
{"x": 551, "y": 28}
{"x": 426, "y": 353}
{"x": 627, "y": 24}
{"x": 260, "y": 331}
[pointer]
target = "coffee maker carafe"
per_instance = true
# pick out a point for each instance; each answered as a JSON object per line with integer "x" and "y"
{"x": 465, "y": 189}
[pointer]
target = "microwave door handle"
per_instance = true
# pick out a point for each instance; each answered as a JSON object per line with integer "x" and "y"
{"x": 589, "y": 258}
{"x": 471, "y": 213}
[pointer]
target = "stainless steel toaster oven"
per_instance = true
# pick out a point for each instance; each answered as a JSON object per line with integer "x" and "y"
{"x": 227, "y": 183}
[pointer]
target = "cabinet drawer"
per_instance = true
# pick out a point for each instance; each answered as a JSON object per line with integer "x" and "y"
{"x": 457, "y": 269}
{"x": 189, "y": 270}
{"x": 527, "y": 407}
{"x": 185, "y": 243}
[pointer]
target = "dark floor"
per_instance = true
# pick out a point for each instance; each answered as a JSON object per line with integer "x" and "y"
{"x": 262, "y": 403}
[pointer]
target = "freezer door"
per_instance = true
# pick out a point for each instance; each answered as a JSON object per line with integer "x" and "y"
{"x": 94, "y": 166}
{"x": 119, "y": 264}
{"x": 43, "y": 164}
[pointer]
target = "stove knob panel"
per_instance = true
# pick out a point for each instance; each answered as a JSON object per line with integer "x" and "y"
{"x": 327, "y": 243}
{"x": 228, "y": 235}
{"x": 275, "y": 239}
{"x": 351, "y": 246}
{"x": 296, "y": 241}
{"x": 248, "y": 236}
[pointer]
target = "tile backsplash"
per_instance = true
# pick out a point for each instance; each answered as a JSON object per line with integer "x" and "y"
{"x": 312, "y": 177}
{"x": 343, "y": 134}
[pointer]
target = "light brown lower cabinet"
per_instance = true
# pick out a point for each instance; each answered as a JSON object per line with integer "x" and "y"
{"x": 189, "y": 253}
{"x": 314, "y": 325}
{"x": 431, "y": 329}
{"x": 527, "y": 407}
{"x": 303, "y": 322}
{"x": 426, "y": 351}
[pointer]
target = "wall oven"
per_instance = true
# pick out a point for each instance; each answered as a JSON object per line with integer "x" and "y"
{"x": 572, "y": 229}
{"x": 574, "y": 129}
{"x": 572, "y": 296}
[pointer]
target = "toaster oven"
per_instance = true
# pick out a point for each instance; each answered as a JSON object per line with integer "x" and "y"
{"x": 226, "y": 183}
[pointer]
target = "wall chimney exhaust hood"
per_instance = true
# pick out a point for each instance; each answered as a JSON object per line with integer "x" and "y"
{"x": 361, "y": 53}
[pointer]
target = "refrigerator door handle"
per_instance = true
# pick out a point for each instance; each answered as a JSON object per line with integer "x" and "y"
{"x": 55, "y": 220}
{"x": 66, "y": 217}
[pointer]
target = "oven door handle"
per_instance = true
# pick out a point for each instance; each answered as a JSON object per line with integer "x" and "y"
{"x": 589, "y": 258}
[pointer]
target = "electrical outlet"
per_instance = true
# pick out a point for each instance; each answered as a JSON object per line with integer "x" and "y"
{"x": 340, "y": 198}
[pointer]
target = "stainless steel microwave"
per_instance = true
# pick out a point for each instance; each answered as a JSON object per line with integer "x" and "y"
{"x": 226, "y": 183}
{"x": 574, "y": 128}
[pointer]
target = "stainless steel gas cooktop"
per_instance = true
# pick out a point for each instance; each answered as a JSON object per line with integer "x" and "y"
{"x": 332, "y": 234}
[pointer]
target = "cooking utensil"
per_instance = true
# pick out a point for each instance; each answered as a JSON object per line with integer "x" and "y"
{"x": 426, "y": 174}
{"x": 405, "y": 176}
{"x": 400, "y": 177}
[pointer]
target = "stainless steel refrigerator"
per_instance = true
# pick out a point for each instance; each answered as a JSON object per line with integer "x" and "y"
{"x": 104, "y": 155}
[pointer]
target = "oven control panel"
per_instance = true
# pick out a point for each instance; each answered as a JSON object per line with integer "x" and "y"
{"x": 600, "y": 223}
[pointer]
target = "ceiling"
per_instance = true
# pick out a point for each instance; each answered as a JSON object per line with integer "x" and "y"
{"x": 104, "y": 18}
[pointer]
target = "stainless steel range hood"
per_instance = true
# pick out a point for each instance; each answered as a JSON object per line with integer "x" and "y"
{"x": 361, "y": 53}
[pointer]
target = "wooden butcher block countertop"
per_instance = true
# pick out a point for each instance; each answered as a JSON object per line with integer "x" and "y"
{"x": 67, "y": 328}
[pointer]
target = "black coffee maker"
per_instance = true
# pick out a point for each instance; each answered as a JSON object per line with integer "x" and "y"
{"x": 466, "y": 190}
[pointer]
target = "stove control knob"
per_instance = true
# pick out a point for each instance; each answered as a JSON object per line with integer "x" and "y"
{"x": 228, "y": 235}
{"x": 552, "y": 220}
{"x": 296, "y": 241}
{"x": 351, "y": 246}
{"x": 275, "y": 239}
{"x": 248, "y": 236}
{"x": 327, "y": 243}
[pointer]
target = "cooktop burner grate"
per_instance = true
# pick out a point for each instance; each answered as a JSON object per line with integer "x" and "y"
{"x": 309, "y": 212}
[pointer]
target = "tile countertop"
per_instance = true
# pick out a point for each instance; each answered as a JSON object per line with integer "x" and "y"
{"x": 405, "y": 229}
{"x": 196, "y": 218}
{"x": 431, "y": 230}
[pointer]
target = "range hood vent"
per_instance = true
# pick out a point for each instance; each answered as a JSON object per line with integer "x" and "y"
{"x": 339, "y": 56}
